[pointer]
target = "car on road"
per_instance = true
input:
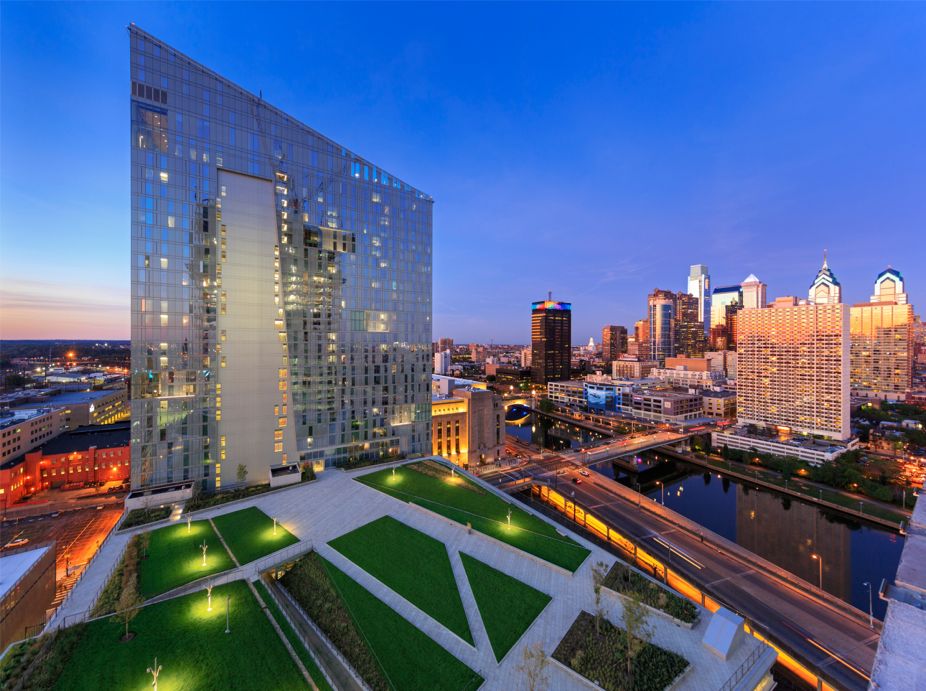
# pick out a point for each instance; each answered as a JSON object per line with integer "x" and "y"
{"x": 18, "y": 542}
{"x": 577, "y": 480}
{"x": 583, "y": 473}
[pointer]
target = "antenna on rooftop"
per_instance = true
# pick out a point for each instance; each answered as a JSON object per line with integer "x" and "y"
{"x": 550, "y": 295}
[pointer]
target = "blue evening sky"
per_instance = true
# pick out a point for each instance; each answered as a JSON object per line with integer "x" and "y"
{"x": 592, "y": 150}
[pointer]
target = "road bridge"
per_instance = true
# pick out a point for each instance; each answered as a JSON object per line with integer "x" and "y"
{"x": 817, "y": 635}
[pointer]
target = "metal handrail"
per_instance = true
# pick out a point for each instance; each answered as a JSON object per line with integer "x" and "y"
{"x": 740, "y": 673}
{"x": 327, "y": 641}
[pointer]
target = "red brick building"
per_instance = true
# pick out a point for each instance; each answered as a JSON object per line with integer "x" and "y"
{"x": 97, "y": 453}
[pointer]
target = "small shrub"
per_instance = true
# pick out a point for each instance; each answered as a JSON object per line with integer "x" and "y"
{"x": 622, "y": 579}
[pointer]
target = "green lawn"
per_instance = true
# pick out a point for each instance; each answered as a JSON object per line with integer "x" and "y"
{"x": 507, "y": 606}
{"x": 293, "y": 639}
{"x": 407, "y": 657}
{"x": 190, "y": 645}
{"x": 175, "y": 558}
{"x": 460, "y": 500}
{"x": 413, "y": 564}
{"x": 249, "y": 534}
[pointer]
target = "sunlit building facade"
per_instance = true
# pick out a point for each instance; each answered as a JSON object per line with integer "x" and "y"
{"x": 613, "y": 342}
{"x": 661, "y": 317}
{"x": 882, "y": 341}
{"x": 793, "y": 368}
{"x": 281, "y": 287}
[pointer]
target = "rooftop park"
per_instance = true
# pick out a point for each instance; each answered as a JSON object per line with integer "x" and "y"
{"x": 413, "y": 564}
{"x": 251, "y": 534}
{"x": 507, "y": 606}
{"x": 442, "y": 490}
{"x": 190, "y": 643}
{"x": 384, "y": 648}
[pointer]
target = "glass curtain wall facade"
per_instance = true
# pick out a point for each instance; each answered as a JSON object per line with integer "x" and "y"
{"x": 551, "y": 341}
{"x": 277, "y": 278}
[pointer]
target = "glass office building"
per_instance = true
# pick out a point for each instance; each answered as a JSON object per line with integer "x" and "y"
{"x": 281, "y": 287}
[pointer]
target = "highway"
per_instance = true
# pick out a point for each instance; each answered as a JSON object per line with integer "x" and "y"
{"x": 825, "y": 636}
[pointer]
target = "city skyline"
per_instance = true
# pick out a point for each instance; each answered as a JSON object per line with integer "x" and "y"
{"x": 753, "y": 170}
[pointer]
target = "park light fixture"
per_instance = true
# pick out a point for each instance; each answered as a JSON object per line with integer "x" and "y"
{"x": 209, "y": 587}
{"x": 509, "y": 516}
{"x": 274, "y": 527}
{"x": 155, "y": 671}
{"x": 189, "y": 524}
{"x": 204, "y": 547}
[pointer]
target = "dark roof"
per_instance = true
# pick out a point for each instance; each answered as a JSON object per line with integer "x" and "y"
{"x": 82, "y": 438}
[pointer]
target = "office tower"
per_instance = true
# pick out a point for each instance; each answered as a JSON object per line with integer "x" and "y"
{"x": 641, "y": 339}
{"x": 890, "y": 287}
{"x": 825, "y": 289}
{"x": 793, "y": 367}
{"x": 442, "y": 362}
{"x": 690, "y": 339}
{"x": 721, "y": 300}
{"x": 281, "y": 287}
{"x": 699, "y": 285}
{"x": 661, "y": 306}
{"x": 525, "y": 358}
{"x": 613, "y": 342}
{"x": 754, "y": 292}
{"x": 882, "y": 340}
{"x": 551, "y": 340}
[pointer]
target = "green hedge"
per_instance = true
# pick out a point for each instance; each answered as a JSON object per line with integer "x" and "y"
{"x": 622, "y": 579}
{"x": 137, "y": 517}
{"x": 601, "y": 658}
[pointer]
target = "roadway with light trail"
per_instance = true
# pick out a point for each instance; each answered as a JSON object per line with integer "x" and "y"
{"x": 829, "y": 640}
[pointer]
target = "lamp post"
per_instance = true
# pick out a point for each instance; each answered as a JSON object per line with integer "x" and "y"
{"x": 662, "y": 492}
{"x": 154, "y": 672}
{"x": 227, "y": 627}
{"x": 274, "y": 527}
{"x": 509, "y": 516}
{"x": 189, "y": 526}
{"x": 820, "y": 561}
{"x": 209, "y": 597}
{"x": 860, "y": 506}
{"x": 871, "y": 622}
{"x": 204, "y": 547}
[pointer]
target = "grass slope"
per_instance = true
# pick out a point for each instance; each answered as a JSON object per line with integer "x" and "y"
{"x": 175, "y": 558}
{"x": 507, "y": 606}
{"x": 249, "y": 534}
{"x": 485, "y": 511}
{"x": 407, "y": 657}
{"x": 190, "y": 645}
{"x": 293, "y": 639}
{"x": 413, "y": 564}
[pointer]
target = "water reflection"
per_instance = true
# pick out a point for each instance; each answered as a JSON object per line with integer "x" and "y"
{"x": 785, "y": 531}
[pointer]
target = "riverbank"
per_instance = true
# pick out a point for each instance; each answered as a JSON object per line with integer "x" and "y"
{"x": 854, "y": 505}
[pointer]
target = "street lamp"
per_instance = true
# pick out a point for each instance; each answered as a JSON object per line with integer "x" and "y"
{"x": 662, "y": 492}
{"x": 871, "y": 622}
{"x": 227, "y": 627}
{"x": 820, "y": 561}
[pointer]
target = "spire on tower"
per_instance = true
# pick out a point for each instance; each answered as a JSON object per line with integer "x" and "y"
{"x": 824, "y": 259}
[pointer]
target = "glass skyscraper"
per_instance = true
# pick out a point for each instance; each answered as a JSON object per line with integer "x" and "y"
{"x": 281, "y": 287}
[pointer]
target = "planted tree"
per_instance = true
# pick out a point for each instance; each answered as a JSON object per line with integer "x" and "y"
{"x": 242, "y": 472}
{"x": 127, "y": 608}
{"x": 599, "y": 573}
{"x": 637, "y": 632}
